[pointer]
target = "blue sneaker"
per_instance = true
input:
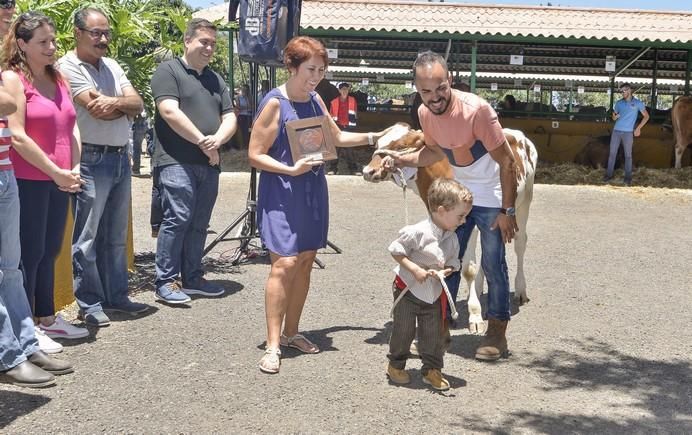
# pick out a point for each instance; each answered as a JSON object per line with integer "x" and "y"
{"x": 98, "y": 319}
{"x": 204, "y": 288}
{"x": 171, "y": 293}
{"x": 127, "y": 307}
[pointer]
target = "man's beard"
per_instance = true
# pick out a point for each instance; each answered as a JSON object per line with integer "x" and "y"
{"x": 438, "y": 111}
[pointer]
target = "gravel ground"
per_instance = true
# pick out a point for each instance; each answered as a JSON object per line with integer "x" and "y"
{"x": 603, "y": 346}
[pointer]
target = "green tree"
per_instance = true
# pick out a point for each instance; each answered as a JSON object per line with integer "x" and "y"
{"x": 143, "y": 31}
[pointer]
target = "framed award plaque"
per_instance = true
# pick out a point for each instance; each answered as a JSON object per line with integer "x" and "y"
{"x": 311, "y": 137}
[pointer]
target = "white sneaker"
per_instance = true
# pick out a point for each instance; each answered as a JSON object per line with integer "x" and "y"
{"x": 63, "y": 329}
{"x": 45, "y": 343}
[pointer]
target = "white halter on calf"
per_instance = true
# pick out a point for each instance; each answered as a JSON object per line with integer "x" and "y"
{"x": 405, "y": 178}
{"x": 402, "y": 177}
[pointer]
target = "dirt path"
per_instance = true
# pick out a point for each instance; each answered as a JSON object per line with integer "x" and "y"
{"x": 603, "y": 347}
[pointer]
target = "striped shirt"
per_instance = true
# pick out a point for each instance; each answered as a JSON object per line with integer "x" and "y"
{"x": 5, "y": 142}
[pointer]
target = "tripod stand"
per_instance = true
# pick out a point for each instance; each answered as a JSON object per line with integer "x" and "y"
{"x": 248, "y": 219}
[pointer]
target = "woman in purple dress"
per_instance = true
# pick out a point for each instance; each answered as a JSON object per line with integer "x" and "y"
{"x": 293, "y": 203}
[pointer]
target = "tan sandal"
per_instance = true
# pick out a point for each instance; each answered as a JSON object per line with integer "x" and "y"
{"x": 271, "y": 361}
{"x": 299, "y": 342}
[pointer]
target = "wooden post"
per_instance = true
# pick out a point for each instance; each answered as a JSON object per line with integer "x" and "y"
{"x": 689, "y": 72}
{"x": 612, "y": 93}
{"x": 653, "y": 82}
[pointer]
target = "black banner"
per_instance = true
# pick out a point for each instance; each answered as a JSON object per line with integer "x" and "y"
{"x": 266, "y": 26}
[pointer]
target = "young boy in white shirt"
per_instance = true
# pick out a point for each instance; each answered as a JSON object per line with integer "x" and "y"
{"x": 422, "y": 250}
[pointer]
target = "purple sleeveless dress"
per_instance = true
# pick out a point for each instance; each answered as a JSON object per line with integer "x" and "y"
{"x": 292, "y": 212}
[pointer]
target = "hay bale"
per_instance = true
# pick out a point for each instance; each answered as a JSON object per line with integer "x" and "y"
{"x": 573, "y": 174}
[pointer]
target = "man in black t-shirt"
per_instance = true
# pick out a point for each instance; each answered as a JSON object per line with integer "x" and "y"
{"x": 194, "y": 117}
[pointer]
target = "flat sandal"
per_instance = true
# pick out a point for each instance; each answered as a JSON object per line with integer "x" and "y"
{"x": 270, "y": 361}
{"x": 311, "y": 347}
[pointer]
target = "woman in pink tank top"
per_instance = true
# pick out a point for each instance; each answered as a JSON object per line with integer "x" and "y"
{"x": 45, "y": 155}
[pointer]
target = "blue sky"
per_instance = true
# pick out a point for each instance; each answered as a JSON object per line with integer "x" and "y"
{"x": 662, "y": 5}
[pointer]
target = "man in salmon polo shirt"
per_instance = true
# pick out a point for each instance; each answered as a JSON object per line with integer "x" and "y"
{"x": 464, "y": 129}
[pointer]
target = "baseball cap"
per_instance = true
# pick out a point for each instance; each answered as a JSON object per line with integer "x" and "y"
{"x": 7, "y": 4}
{"x": 341, "y": 85}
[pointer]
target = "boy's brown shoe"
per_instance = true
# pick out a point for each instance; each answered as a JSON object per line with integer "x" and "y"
{"x": 434, "y": 379}
{"x": 398, "y": 376}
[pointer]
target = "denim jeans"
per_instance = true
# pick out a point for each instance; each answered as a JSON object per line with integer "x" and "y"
{"x": 156, "y": 212}
{"x": 102, "y": 211}
{"x": 188, "y": 194}
{"x": 627, "y": 138}
{"x": 493, "y": 260}
{"x": 17, "y": 338}
{"x": 138, "y": 135}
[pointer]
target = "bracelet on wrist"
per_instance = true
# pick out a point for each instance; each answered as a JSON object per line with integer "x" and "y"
{"x": 371, "y": 140}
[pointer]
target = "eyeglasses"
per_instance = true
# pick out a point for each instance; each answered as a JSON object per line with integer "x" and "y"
{"x": 4, "y": 4}
{"x": 97, "y": 34}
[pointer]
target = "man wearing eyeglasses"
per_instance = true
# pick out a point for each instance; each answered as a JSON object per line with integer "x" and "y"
{"x": 104, "y": 99}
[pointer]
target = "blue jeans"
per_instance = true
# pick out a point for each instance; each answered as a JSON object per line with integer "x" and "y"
{"x": 188, "y": 194}
{"x": 138, "y": 135}
{"x": 492, "y": 260}
{"x": 156, "y": 214}
{"x": 627, "y": 138}
{"x": 102, "y": 211}
{"x": 17, "y": 338}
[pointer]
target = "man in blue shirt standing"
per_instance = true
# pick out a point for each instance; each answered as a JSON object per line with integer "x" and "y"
{"x": 625, "y": 116}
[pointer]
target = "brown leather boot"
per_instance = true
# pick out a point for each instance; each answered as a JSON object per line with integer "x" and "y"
{"x": 494, "y": 344}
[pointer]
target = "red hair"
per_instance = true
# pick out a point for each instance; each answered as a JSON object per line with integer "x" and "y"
{"x": 302, "y": 48}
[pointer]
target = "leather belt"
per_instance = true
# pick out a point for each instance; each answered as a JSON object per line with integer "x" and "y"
{"x": 102, "y": 148}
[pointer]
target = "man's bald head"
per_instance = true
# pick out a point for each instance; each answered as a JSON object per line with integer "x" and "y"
{"x": 433, "y": 81}
{"x": 425, "y": 62}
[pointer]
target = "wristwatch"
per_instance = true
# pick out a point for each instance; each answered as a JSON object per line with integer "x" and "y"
{"x": 509, "y": 211}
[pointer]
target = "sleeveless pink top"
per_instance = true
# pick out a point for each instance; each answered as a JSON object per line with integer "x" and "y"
{"x": 49, "y": 123}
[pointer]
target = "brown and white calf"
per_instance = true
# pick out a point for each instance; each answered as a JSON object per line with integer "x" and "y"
{"x": 401, "y": 140}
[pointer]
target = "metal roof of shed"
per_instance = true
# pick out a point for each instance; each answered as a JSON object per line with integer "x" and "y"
{"x": 490, "y": 20}
{"x": 388, "y": 34}
{"x": 503, "y": 20}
